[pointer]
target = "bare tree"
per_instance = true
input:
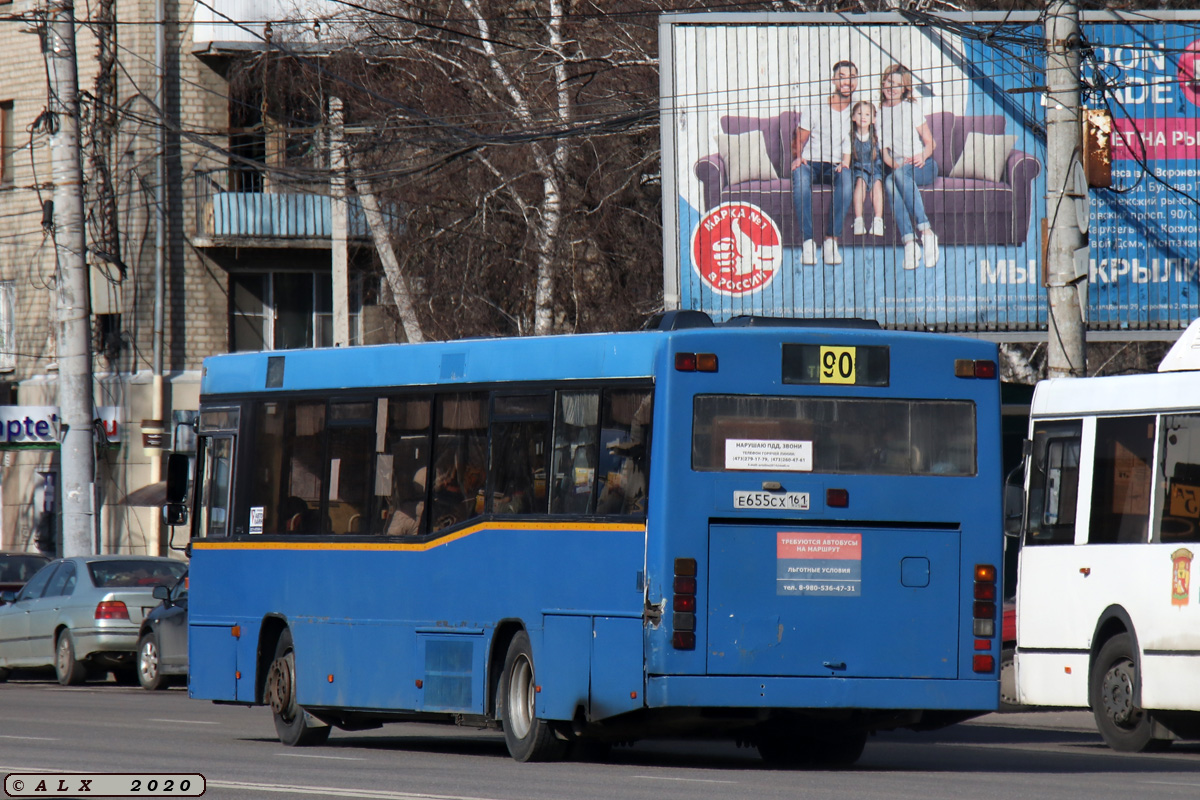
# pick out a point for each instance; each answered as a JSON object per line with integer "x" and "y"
{"x": 519, "y": 140}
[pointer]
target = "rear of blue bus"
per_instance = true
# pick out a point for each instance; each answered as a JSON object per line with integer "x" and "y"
{"x": 824, "y": 550}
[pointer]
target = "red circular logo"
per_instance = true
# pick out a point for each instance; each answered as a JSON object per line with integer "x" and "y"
{"x": 1189, "y": 72}
{"x": 737, "y": 248}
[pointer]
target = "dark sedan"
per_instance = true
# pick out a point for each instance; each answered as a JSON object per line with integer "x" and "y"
{"x": 17, "y": 568}
{"x": 162, "y": 643}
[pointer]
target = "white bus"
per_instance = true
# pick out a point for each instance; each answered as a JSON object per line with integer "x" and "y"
{"x": 1106, "y": 615}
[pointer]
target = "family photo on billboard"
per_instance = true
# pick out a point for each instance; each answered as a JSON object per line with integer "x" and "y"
{"x": 885, "y": 173}
{"x": 897, "y": 172}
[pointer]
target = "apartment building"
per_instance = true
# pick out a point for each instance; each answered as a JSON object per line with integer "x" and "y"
{"x": 210, "y": 233}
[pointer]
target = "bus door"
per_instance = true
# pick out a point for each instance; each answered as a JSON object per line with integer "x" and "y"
{"x": 875, "y": 602}
{"x": 214, "y": 470}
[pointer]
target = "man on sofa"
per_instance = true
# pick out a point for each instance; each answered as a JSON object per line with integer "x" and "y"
{"x": 825, "y": 125}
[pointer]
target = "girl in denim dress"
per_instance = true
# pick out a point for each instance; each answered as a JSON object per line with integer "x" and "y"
{"x": 866, "y": 162}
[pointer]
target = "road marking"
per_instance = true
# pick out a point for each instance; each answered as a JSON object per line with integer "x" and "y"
{"x": 687, "y": 780}
{"x": 373, "y": 794}
{"x": 183, "y": 721}
{"x": 1170, "y": 783}
{"x": 32, "y": 738}
{"x": 311, "y": 755}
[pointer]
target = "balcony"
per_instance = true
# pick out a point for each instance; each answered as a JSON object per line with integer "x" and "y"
{"x": 277, "y": 219}
{"x": 239, "y": 24}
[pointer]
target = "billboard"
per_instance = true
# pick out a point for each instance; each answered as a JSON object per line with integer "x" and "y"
{"x": 821, "y": 165}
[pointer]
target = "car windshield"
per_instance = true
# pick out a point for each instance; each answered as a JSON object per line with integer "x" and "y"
{"x": 19, "y": 569}
{"x": 116, "y": 574}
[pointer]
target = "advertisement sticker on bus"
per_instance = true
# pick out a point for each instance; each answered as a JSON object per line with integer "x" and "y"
{"x": 819, "y": 564}
{"x": 1181, "y": 576}
{"x": 787, "y": 455}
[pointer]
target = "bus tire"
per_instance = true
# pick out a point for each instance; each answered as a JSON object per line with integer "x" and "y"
{"x": 1008, "y": 681}
{"x": 527, "y": 737}
{"x": 1124, "y": 726}
{"x": 68, "y": 671}
{"x": 291, "y": 721}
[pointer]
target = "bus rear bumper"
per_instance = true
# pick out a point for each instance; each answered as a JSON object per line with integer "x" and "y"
{"x": 722, "y": 691}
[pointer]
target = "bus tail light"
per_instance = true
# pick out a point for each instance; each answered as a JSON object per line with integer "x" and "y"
{"x": 111, "y": 609}
{"x": 966, "y": 368}
{"x": 696, "y": 362}
{"x": 983, "y": 613}
{"x": 837, "y": 498}
{"x": 683, "y": 605}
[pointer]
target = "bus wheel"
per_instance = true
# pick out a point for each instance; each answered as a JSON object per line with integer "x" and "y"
{"x": 835, "y": 750}
{"x": 1123, "y": 725}
{"x": 528, "y": 738}
{"x": 291, "y": 721}
{"x": 1008, "y": 681}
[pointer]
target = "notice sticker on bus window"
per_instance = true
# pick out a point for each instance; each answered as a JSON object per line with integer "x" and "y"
{"x": 256, "y": 519}
{"x": 818, "y": 564}
{"x": 785, "y": 455}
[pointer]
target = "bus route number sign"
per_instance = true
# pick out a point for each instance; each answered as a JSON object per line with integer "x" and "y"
{"x": 838, "y": 365}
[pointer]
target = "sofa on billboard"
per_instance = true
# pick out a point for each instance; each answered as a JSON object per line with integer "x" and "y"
{"x": 983, "y": 194}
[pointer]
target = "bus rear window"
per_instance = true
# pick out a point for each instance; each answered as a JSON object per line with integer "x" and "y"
{"x": 833, "y": 435}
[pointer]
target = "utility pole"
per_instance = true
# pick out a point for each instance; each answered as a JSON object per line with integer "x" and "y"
{"x": 74, "y": 340}
{"x": 1065, "y": 248}
{"x": 340, "y": 245}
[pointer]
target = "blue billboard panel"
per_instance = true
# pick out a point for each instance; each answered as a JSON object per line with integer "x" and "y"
{"x": 1144, "y": 231}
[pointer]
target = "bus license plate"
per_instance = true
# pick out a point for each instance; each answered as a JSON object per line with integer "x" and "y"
{"x": 787, "y": 501}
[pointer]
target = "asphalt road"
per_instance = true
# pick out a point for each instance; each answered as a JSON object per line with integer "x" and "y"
{"x": 103, "y": 727}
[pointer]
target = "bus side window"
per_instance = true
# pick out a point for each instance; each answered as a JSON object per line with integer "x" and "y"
{"x": 1053, "y": 483}
{"x": 573, "y": 470}
{"x": 352, "y": 440}
{"x": 624, "y": 451}
{"x": 1178, "y": 501}
{"x": 401, "y": 472}
{"x": 1121, "y": 480}
{"x": 459, "y": 459}
{"x": 519, "y": 455}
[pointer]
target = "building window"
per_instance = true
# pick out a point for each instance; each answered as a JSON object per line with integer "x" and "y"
{"x": 287, "y": 310}
{"x": 6, "y": 141}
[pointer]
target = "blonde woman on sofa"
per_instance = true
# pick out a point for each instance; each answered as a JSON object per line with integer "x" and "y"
{"x": 908, "y": 149}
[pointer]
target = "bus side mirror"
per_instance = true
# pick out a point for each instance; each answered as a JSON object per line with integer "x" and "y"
{"x": 174, "y": 511}
{"x": 1014, "y": 510}
{"x": 177, "y": 477}
{"x": 1014, "y": 502}
{"x": 174, "y": 514}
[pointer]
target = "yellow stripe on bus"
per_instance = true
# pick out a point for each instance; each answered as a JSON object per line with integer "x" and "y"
{"x": 418, "y": 546}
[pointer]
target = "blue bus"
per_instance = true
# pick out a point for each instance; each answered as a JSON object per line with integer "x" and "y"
{"x": 784, "y": 533}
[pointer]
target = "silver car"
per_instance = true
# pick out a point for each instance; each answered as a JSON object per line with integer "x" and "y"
{"x": 82, "y": 615}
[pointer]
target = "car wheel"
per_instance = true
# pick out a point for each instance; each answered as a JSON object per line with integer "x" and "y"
{"x": 69, "y": 671}
{"x": 1111, "y": 691}
{"x": 528, "y": 738}
{"x": 148, "y": 673}
{"x": 291, "y": 721}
